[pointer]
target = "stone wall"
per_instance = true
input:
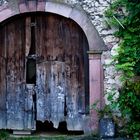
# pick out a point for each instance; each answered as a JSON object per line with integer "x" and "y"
{"x": 3, "y": 2}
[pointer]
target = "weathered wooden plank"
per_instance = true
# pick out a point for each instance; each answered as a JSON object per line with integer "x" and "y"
{"x": 43, "y": 91}
{"x": 49, "y": 38}
{"x": 44, "y": 53}
{"x": 50, "y": 92}
{"x": 15, "y": 73}
{"x": 2, "y": 79}
{"x": 29, "y": 116}
{"x": 28, "y": 35}
{"x": 50, "y": 70}
{"x": 57, "y": 92}
{"x": 75, "y": 88}
{"x": 41, "y": 39}
{"x": 30, "y": 95}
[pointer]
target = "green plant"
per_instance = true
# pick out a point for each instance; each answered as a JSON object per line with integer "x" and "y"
{"x": 125, "y": 16}
{"x": 103, "y": 112}
{"x": 4, "y": 135}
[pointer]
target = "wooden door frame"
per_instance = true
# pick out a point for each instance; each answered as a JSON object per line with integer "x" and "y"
{"x": 96, "y": 44}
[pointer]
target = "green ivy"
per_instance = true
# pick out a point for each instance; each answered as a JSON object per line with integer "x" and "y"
{"x": 124, "y": 15}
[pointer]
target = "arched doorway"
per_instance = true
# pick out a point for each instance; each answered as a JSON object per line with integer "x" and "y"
{"x": 24, "y": 32}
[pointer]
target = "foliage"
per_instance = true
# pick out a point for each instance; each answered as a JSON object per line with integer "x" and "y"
{"x": 125, "y": 16}
{"x": 104, "y": 112}
{"x": 3, "y": 135}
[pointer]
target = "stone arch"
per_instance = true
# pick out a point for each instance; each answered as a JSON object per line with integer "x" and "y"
{"x": 96, "y": 44}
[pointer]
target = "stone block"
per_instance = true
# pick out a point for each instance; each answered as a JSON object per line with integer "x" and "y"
{"x": 23, "y": 8}
{"x": 60, "y": 9}
{"x": 5, "y": 14}
{"x": 32, "y": 6}
{"x": 22, "y": 132}
{"x": 106, "y": 128}
{"x": 41, "y": 6}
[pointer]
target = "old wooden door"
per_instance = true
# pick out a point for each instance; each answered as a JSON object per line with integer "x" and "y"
{"x": 62, "y": 68}
{"x": 43, "y": 72}
{"x": 16, "y": 103}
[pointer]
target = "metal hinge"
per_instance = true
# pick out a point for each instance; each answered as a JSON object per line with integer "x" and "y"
{"x": 33, "y": 24}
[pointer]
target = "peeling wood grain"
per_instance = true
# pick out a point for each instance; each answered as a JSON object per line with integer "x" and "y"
{"x": 57, "y": 93}
{"x": 29, "y": 115}
{"x": 15, "y": 74}
{"x": 43, "y": 88}
{"x": 75, "y": 99}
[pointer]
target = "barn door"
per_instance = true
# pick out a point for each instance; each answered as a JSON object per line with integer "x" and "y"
{"x": 60, "y": 83}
